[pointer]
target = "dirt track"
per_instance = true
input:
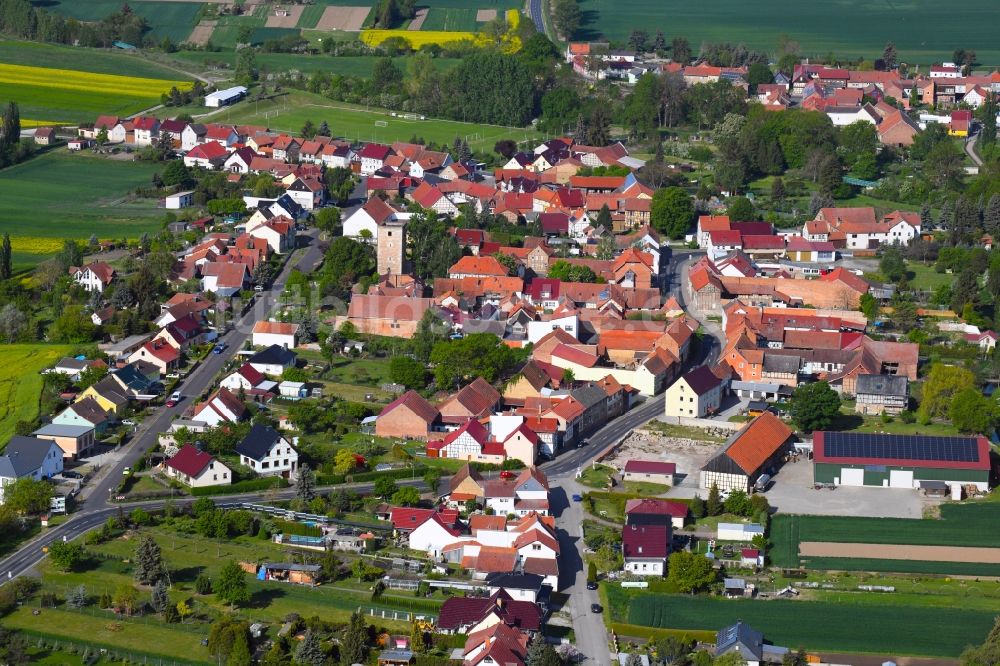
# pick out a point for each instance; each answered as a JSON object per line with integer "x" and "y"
{"x": 418, "y": 20}
{"x": 348, "y": 19}
{"x": 202, "y": 33}
{"x": 878, "y": 551}
{"x": 485, "y": 15}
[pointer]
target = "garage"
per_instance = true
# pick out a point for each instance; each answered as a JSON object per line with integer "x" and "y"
{"x": 899, "y": 478}
{"x": 852, "y": 476}
{"x": 899, "y": 461}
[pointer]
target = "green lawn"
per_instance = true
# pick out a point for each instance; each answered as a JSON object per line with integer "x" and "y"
{"x": 925, "y": 277}
{"x": 289, "y": 113}
{"x": 596, "y": 476}
{"x": 61, "y": 195}
{"x": 821, "y": 625}
{"x": 451, "y": 19}
{"x": 20, "y": 383}
{"x": 645, "y": 488}
{"x": 927, "y": 33}
{"x": 99, "y": 61}
{"x": 960, "y": 525}
{"x": 166, "y": 19}
{"x": 361, "y": 66}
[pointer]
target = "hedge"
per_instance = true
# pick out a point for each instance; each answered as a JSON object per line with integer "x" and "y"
{"x": 654, "y": 633}
{"x": 330, "y": 479}
{"x": 394, "y": 474}
{"x": 248, "y": 486}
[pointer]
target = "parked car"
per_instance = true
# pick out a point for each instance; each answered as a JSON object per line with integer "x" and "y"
{"x": 175, "y": 397}
{"x": 591, "y": 585}
{"x": 577, "y": 497}
{"x": 70, "y": 474}
{"x": 596, "y": 608}
{"x": 126, "y": 471}
{"x": 219, "y": 348}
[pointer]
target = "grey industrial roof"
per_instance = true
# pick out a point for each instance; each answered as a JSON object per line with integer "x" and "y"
{"x": 889, "y": 385}
{"x": 54, "y": 430}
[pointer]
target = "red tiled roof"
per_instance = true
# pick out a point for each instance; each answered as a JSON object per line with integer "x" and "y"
{"x": 758, "y": 441}
{"x": 416, "y": 403}
{"x": 275, "y": 328}
{"x": 651, "y": 466}
{"x": 189, "y": 460}
{"x": 645, "y": 541}
{"x": 657, "y": 507}
{"x": 212, "y": 150}
{"x": 481, "y": 266}
{"x": 458, "y": 612}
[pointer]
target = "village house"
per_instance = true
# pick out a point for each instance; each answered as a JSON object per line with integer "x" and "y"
{"x": 223, "y": 406}
{"x": 29, "y": 458}
{"x": 649, "y": 471}
{"x": 268, "y": 453}
{"x": 93, "y": 277}
{"x": 756, "y": 449}
{"x": 267, "y": 333}
{"x": 409, "y": 416}
{"x": 695, "y": 394}
{"x": 273, "y": 360}
{"x": 74, "y": 440}
{"x": 197, "y": 469}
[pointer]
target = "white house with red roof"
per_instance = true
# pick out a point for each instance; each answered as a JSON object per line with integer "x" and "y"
{"x": 224, "y": 279}
{"x": 267, "y": 333}
{"x": 433, "y": 534}
{"x": 160, "y": 353}
{"x": 279, "y": 232}
{"x": 247, "y": 378}
{"x": 986, "y": 341}
{"x": 645, "y": 549}
{"x": 372, "y": 157}
{"x": 649, "y": 511}
{"x": 223, "y": 406}
{"x": 197, "y": 469}
{"x": 211, "y": 155}
{"x": 93, "y": 277}
{"x": 145, "y": 130}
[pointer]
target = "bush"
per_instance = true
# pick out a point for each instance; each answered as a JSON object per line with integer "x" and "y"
{"x": 250, "y": 485}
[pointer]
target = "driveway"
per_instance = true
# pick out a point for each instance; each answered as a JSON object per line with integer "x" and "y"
{"x": 793, "y": 492}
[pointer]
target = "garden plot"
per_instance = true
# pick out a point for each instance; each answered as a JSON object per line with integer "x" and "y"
{"x": 881, "y": 551}
{"x": 285, "y": 16}
{"x": 348, "y": 19}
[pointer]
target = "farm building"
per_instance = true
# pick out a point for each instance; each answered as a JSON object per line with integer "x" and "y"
{"x": 752, "y": 451}
{"x": 899, "y": 461}
{"x": 179, "y": 200}
{"x": 878, "y": 394}
{"x": 224, "y": 97}
{"x": 651, "y": 471}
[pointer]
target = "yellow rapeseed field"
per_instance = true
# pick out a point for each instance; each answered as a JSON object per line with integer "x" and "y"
{"x": 46, "y": 77}
{"x": 419, "y": 38}
{"x": 36, "y": 244}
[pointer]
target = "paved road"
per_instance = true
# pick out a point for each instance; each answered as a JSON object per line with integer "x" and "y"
{"x": 535, "y": 9}
{"x": 970, "y": 150}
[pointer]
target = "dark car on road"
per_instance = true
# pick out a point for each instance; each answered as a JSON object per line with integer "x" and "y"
{"x": 591, "y": 585}
{"x": 596, "y": 608}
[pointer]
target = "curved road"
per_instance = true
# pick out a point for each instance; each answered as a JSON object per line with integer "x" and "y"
{"x": 535, "y": 10}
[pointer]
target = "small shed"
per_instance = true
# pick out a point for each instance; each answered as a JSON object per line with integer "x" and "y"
{"x": 289, "y": 572}
{"x": 179, "y": 200}
{"x": 734, "y": 587}
{"x": 396, "y": 657}
{"x": 45, "y": 136}
{"x": 738, "y": 531}
{"x": 293, "y": 390}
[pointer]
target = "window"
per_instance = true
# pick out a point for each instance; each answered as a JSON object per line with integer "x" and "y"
{"x": 265, "y": 465}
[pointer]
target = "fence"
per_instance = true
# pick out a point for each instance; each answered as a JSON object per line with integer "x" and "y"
{"x": 105, "y": 652}
{"x": 402, "y": 584}
{"x": 402, "y": 616}
{"x": 298, "y": 515}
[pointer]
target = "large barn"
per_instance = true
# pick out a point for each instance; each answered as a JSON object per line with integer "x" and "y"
{"x": 899, "y": 461}
{"x": 754, "y": 450}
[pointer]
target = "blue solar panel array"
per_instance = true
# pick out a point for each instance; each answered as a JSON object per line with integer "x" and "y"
{"x": 900, "y": 447}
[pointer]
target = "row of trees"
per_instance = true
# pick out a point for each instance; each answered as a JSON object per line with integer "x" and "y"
{"x": 23, "y": 19}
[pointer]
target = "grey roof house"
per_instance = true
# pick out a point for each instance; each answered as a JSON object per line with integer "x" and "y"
{"x": 29, "y": 457}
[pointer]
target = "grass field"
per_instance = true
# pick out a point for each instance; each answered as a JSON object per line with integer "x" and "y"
{"x": 923, "y": 31}
{"x": 960, "y": 525}
{"x": 902, "y": 566}
{"x": 59, "y": 195}
{"x": 99, "y": 61}
{"x": 289, "y": 112}
{"x": 67, "y": 95}
{"x": 361, "y": 66}
{"x": 166, "y": 19}
{"x": 20, "y": 383}
{"x": 439, "y": 18}
{"x": 820, "y": 625}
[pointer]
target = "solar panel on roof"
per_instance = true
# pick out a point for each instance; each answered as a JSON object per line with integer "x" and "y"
{"x": 900, "y": 447}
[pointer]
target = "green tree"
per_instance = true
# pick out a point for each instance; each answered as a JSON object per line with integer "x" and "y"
{"x": 77, "y": 598}
{"x": 430, "y": 331}
{"x": 385, "y": 74}
{"x": 492, "y": 87}
{"x": 346, "y": 261}
{"x": 27, "y": 496}
{"x": 690, "y": 572}
{"x": 778, "y": 192}
{"x": 345, "y": 461}
{"x": 5, "y": 258}
{"x": 432, "y": 479}
{"x": 408, "y": 372}
{"x": 246, "y": 71}
{"x": 698, "y": 507}
{"x": 328, "y": 220}
{"x": 309, "y": 652}
{"x": 738, "y": 503}
{"x": 680, "y": 50}
{"x": 713, "y": 506}
{"x": 757, "y": 74}
{"x": 740, "y": 209}
{"x": 892, "y": 265}
{"x": 126, "y": 599}
{"x": 384, "y": 487}
{"x": 305, "y": 483}
{"x": 160, "y": 599}
{"x": 231, "y": 585}
{"x": 943, "y": 381}
{"x": 869, "y": 306}
{"x": 203, "y": 584}
{"x": 507, "y": 261}
{"x": 987, "y": 654}
{"x": 815, "y": 406}
{"x": 566, "y": 15}
{"x": 66, "y": 555}
{"x": 149, "y": 566}
{"x": 354, "y": 644}
{"x": 972, "y": 412}
{"x": 591, "y": 572}
{"x": 308, "y": 129}
{"x": 406, "y": 496}
{"x": 560, "y": 107}
{"x": 671, "y": 212}
{"x": 223, "y": 636}
{"x": 432, "y": 249}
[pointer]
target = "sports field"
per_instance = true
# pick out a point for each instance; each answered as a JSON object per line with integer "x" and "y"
{"x": 20, "y": 383}
{"x": 289, "y": 113}
{"x": 47, "y": 95}
{"x": 821, "y": 625}
{"x": 60, "y": 195}
{"x": 924, "y": 31}
{"x": 971, "y": 525}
